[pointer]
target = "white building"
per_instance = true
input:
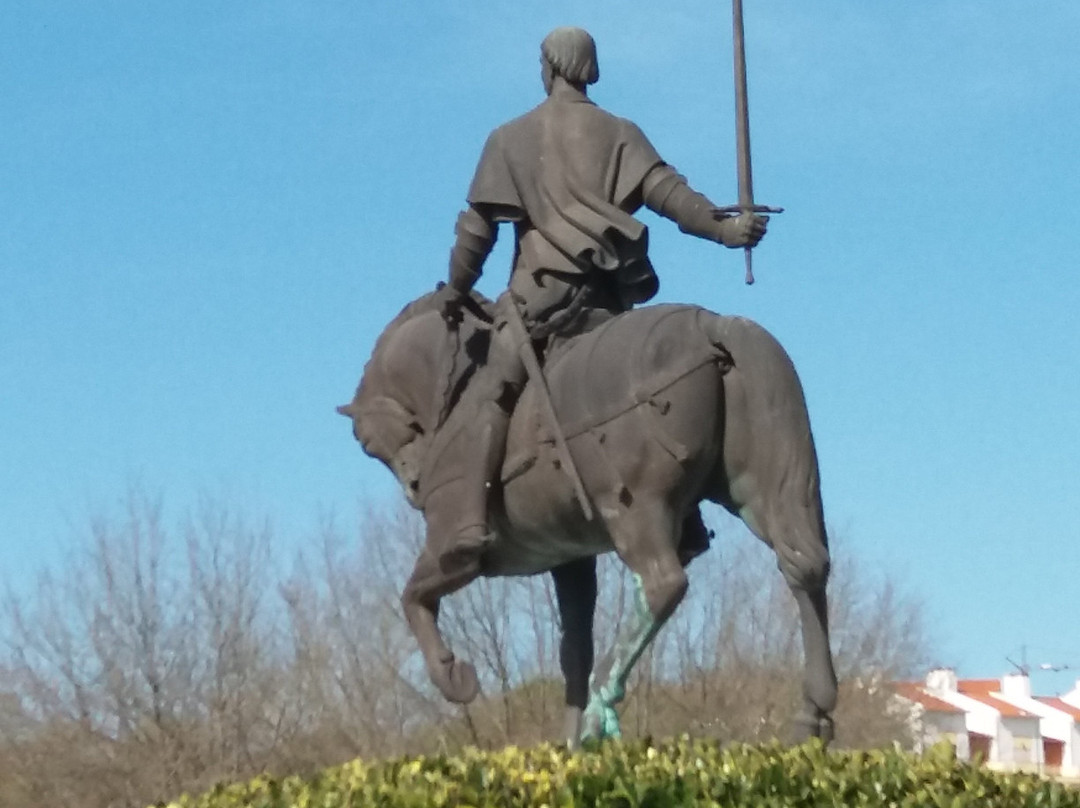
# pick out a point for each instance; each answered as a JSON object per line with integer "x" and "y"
{"x": 997, "y": 721}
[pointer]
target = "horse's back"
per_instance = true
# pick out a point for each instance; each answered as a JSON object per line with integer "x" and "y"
{"x": 622, "y": 362}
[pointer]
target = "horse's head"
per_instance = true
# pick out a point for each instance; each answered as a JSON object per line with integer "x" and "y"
{"x": 389, "y": 433}
{"x": 399, "y": 401}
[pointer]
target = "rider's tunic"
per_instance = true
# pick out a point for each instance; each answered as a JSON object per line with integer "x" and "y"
{"x": 569, "y": 175}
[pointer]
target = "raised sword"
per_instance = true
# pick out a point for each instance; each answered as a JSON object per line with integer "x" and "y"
{"x": 742, "y": 136}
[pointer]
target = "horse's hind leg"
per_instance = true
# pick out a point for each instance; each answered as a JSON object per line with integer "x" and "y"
{"x": 793, "y": 527}
{"x": 819, "y": 684}
{"x": 575, "y": 590}
{"x": 645, "y": 539}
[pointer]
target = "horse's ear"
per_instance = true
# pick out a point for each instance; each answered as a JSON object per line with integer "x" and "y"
{"x": 347, "y": 410}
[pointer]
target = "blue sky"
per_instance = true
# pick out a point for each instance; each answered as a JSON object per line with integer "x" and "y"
{"x": 209, "y": 210}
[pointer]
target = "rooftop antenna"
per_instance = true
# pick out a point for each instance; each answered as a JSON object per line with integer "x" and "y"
{"x": 1022, "y": 668}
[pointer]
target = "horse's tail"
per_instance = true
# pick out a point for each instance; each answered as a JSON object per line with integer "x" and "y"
{"x": 768, "y": 472}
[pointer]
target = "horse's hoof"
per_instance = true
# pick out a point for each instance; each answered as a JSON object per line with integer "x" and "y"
{"x": 812, "y": 726}
{"x": 574, "y": 727}
{"x": 826, "y": 729}
{"x": 601, "y": 721}
{"x": 457, "y": 681}
{"x": 591, "y": 726}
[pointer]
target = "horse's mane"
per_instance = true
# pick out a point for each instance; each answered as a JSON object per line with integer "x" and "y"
{"x": 412, "y": 309}
{"x": 426, "y": 303}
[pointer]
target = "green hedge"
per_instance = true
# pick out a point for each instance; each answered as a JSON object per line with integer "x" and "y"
{"x": 679, "y": 772}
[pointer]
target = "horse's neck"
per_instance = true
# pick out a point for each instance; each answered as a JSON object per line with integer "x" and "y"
{"x": 416, "y": 363}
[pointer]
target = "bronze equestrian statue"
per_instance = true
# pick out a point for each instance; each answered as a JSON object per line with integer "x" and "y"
{"x": 635, "y": 417}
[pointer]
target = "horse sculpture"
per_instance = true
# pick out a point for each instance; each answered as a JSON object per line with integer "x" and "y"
{"x": 662, "y": 407}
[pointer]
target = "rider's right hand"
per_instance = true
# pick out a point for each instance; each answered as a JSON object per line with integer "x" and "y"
{"x": 744, "y": 230}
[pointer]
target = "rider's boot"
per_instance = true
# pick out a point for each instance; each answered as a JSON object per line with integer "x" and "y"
{"x": 487, "y": 447}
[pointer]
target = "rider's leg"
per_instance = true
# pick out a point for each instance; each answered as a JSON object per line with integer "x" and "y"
{"x": 486, "y": 405}
{"x": 471, "y": 533}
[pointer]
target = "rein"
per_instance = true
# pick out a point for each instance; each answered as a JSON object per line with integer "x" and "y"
{"x": 473, "y": 307}
{"x": 448, "y": 378}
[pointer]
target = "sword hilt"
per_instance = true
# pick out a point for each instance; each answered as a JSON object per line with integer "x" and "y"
{"x": 738, "y": 210}
{"x": 735, "y": 210}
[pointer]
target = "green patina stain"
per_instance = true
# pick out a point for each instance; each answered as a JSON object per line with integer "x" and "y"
{"x": 601, "y": 718}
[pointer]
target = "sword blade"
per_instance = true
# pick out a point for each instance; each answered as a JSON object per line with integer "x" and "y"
{"x": 742, "y": 112}
{"x": 742, "y": 126}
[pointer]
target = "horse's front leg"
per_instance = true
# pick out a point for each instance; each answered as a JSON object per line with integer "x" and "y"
{"x": 428, "y": 584}
{"x": 575, "y": 591}
{"x": 646, "y": 541}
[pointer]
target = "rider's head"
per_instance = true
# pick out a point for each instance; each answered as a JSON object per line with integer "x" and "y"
{"x": 571, "y": 54}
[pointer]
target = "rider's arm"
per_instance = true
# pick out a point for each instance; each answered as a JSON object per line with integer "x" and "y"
{"x": 666, "y": 192}
{"x": 475, "y": 237}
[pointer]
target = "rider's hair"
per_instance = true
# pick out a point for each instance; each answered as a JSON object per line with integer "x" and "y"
{"x": 571, "y": 52}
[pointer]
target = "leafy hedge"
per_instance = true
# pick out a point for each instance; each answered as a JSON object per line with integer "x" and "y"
{"x": 679, "y": 772}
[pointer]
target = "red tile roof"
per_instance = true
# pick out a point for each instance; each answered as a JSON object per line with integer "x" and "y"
{"x": 912, "y": 692}
{"x": 1058, "y": 704}
{"x": 1007, "y": 710}
{"x": 973, "y": 686}
{"x": 982, "y": 690}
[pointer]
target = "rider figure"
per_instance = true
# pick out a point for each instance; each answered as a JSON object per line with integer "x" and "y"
{"x": 569, "y": 175}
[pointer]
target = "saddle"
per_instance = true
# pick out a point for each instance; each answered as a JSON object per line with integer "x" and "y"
{"x": 626, "y": 362}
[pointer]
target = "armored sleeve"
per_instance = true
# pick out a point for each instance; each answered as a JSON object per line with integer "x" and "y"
{"x": 475, "y": 236}
{"x": 667, "y": 193}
